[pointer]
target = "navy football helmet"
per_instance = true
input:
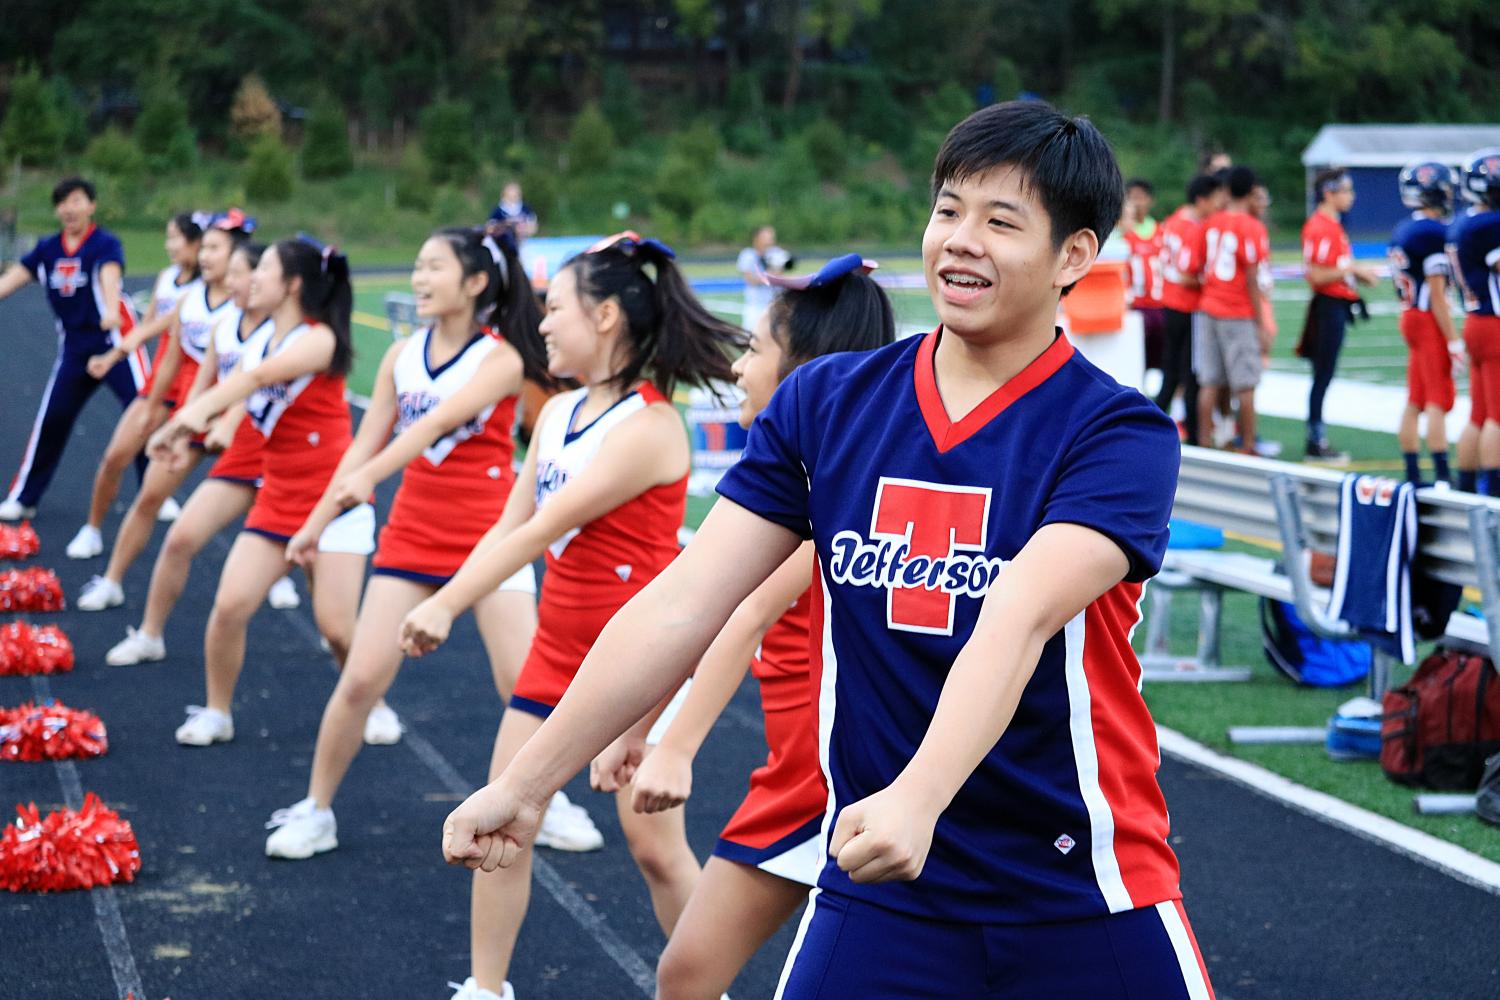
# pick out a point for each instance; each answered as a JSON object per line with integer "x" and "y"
{"x": 1481, "y": 183}
{"x": 1428, "y": 184}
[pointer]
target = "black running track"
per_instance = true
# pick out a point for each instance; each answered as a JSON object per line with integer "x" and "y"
{"x": 1285, "y": 907}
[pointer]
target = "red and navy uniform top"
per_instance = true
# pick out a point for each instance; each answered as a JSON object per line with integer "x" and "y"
{"x": 914, "y": 516}
{"x": 1474, "y": 249}
{"x": 70, "y": 274}
{"x": 606, "y": 561}
{"x": 1418, "y": 249}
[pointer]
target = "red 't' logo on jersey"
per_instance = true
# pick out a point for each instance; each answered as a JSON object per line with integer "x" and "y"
{"x": 67, "y": 276}
{"x": 936, "y": 523}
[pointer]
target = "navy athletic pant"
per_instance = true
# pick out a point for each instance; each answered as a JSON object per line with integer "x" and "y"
{"x": 68, "y": 389}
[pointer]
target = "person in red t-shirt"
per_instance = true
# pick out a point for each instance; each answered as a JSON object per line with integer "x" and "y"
{"x": 1332, "y": 273}
{"x": 1180, "y": 263}
{"x": 1232, "y": 335}
{"x": 1144, "y": 237}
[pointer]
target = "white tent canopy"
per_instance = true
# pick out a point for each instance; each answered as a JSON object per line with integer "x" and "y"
{"x": 1396, "y": 145}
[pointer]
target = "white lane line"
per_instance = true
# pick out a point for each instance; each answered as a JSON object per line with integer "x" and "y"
{"x": 1450, "y": 859}
{"x": 587, "y": 918}
{"x": 106, "y": 906}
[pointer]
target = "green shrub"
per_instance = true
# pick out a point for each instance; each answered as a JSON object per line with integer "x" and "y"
{"x": 113, "y": 153}
{"x": 33, "y": 129}
{"x": 162, "y": 130}
{"x": 448, "y": 141}
{"x": 325, "y": 148}
{"x": 680, "y": 186}
{"x": 414, "y": 181}
{"x": 268, "y": 171}
{"x": 591, "y": 142}
{"x": 254, "y": 112}
{"x": 621, "y": 104}
{"x": 829, "y": 149}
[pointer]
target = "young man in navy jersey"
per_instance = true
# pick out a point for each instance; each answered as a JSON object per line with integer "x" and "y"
{"x": 81, "y": 268}
{"x": 986, "y": 506}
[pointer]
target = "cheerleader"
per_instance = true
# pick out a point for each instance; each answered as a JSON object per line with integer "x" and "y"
{"x": 203, "y": 306}
{"x": 150, "y": 407}
{"x": 449, "y": 392}
{"x": 294, "y": 396}
{"x": 602, "y": 494}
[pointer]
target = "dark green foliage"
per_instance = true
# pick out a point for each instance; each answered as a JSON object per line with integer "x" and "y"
{"x": 591, "y": 142}
{"x": 414, "y": 181}
{"x": 33, "y": 129}
{"x": 268, "y": 171}
{"x": 448, "y": 141}
{"x": 325, "y": 145}
{"x": 162, "y": 130}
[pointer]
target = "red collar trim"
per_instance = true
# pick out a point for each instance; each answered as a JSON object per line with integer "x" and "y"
{"x": 81, "y": 240}
{"x": 946, "y": 434}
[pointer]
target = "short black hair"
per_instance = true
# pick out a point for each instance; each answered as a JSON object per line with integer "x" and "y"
{"x": 1241, "y": 181}
{"x": 1202, "y": 186}
{"x": 68, "y": 185}
{"x": 1064, "y": 159}
{"x": 1142, "y": 183}
{"x": 1327, "y": 179}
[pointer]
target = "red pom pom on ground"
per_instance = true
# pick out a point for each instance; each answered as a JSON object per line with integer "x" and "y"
{"x": 32, "y": 589}
{"x": 34, "y": 649}
{"x": 50, "y": 732}
{"x": 68, "y": 850}
{"x": 18, "y": 541}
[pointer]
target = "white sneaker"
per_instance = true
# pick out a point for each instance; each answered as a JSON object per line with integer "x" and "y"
{"x": 470, "y": 990}
{"x": 136, "y": 647}
{"x": 170, "y": 510}
{"x": 87, "y": 544}
{"x": 99, "y": 594}
{"x": 283, "y": 595}
{"x": 11, "y": 510}
{"x": 205, "y": 727}
{"x": 567, "y": 827}
{"x": 301, "y": 831}
{"x": 382, "y": 728}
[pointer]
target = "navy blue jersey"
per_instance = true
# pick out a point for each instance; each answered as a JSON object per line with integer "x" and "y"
{"x": 914, "y": 516}
{"x": 71, "y": 277}
{"x": 1418, "y": 250}
{"x": 1474, "y": 250}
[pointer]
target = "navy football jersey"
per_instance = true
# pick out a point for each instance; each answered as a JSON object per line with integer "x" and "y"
{"x": 71, "y": 277}
{"x": 1418, "y": 249}
{"x": 1474, "y": 250}
{"x": 913, "y": 516}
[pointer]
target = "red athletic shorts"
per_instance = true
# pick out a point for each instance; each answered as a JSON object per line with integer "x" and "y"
{"x": 1429, "y": 367}
{"x": 1482, "y": 339}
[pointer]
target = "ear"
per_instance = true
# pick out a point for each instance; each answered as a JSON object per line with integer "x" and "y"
{"x": 607, "y": 316}
{"x": 1075, "y": 257}
{"x": 475, "y": 284}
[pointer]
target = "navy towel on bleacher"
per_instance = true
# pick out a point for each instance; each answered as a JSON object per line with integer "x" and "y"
{"x": 1372, "y": 577}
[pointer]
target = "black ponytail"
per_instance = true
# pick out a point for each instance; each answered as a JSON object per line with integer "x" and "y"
{"x": 851, "y": 313}
{"x": 327, "y": 296}
{"x": 507, "y": 303}
{"x": 670, "y": 335}
{"x": 189, "y": 224}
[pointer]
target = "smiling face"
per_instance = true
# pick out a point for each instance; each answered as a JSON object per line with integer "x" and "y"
{"x": 213, "y": 255}
{"x": 571, "y": 330}
{"x": 758, "y": 370}
{"x": 439, "y": 284}
{"x": 992, "y": 267}
{"x": 268, "y": 284}
{"x": 75, "y": 212}
{"x": 237, "y": 278}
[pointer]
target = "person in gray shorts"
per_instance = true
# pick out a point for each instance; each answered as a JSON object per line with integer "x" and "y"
{"x": 1226, "y": 352}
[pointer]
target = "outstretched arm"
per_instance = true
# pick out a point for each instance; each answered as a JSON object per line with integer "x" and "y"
{"x": 647, "y": 648}
{"x": 15, "y": 277}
